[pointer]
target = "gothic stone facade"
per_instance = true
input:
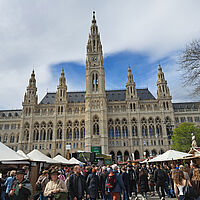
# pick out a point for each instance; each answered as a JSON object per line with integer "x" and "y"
{"x": 120, "y": 122}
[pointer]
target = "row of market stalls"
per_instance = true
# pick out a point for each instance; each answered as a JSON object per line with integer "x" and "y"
{"x": 9, "y": 156}
{"x": 174, "y": 156}
{"x": 35, "y": 160}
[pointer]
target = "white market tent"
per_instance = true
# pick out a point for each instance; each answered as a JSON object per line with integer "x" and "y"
{"x": 61, "y": 159}
{"x": 74, "y": 161}
{"x": 37, "y": 156}
{"x": 170, "y": 155}
{"x": 21, "y": 153}
{"x": 7, "y": 154}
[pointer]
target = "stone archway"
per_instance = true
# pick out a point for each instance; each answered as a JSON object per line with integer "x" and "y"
{"x": 154, "y": 152}
{"x": 147, "y": 153}
{"x": 113, "y": 155}
{"x": 119, "y": 156}
{"x": 126, "y": 155}
{"x": 161, "y": 151}
{"x": 136, "y": 154}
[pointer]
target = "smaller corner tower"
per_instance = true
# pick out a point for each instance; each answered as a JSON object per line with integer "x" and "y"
{"x": 131, "y": 92}
{"x": 61, "y": 94}
{"x": 30, "y": 98}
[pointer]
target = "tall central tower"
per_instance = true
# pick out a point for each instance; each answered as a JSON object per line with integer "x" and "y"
{"x": 95, "y": 99}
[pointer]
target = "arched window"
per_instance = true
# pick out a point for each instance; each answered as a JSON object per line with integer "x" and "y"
{"x": 50, "y": 131}
{"x": 5, "y": 139}
{"x": 59, "y": 130}
{"x": 124, "y": 128}
{"x": 110, "y": 129}
{"x": 95, "y": 82}
{"x": 144, "y": 127}
{"x": 12, "y": 139}
{"x": 96, "y": 125}
{"x": 126, "y": 156}
{"x": 76, "y": 129}
{"x": 134, "y": 127}
{"x": 119, "y": 156}
{"x": 69, "y": 130}
{"x": 82, "y": 129}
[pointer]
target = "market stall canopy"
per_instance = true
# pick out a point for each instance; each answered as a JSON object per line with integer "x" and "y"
{"x": 21, "y": 153}
{"x": 74, "y": 161}
{"x": 7, "y": 154}
{"x": 61, "y": 159}
{"x": 170, "y": 155}
{"x": 37, "y": 156}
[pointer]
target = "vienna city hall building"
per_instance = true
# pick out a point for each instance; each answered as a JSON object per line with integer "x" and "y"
{"x": 125, "y": 123}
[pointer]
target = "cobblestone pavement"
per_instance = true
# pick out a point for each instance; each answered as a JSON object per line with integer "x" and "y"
{"x": 153, "y": 198}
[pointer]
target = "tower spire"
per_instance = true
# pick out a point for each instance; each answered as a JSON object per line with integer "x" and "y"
{"x": 131, "y": 92}
{"x": 162, "y": 90}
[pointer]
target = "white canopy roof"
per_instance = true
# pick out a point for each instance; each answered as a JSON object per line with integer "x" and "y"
{"x": 61, "y": 159}
{"x": 74, "y": 161}
{"x": 21, "y": 153}
{"x": 7, "y": 154}
{"x": 170, "y": 155}
{"x": 37, "y": 156}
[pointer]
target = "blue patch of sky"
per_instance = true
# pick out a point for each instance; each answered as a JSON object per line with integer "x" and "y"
{"x": 116, "y": 69}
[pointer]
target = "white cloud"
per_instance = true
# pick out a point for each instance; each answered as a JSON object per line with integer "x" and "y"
{"x": 39, "y": 33}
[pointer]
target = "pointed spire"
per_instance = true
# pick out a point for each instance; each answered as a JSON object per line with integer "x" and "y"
{"x": 94, "y": 20}
{"x": 129, "y": 76}
{"x": 62, "y": 80}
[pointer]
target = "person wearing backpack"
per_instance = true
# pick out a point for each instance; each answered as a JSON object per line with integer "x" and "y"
{"x": 114, "y": 183}
{"x": 160, "y": 178}
{"x": 93, "y": 184}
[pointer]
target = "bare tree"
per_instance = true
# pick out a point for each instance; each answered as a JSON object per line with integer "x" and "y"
{"x": 189, "y": 62}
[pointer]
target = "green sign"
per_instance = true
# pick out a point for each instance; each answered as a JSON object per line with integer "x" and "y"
{"x": 96, "y": 150}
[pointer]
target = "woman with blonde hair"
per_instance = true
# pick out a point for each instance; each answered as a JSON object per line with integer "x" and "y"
{"x": 179, "y": 184}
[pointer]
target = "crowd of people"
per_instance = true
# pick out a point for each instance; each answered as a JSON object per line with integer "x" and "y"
{"x": 105, "y": 182}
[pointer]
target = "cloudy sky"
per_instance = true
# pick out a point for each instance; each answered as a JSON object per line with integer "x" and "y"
{"x": 48, "y": 35}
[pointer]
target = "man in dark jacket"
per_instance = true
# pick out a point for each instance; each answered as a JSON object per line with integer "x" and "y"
{"x": 133, "y": 178}
{"x": 125, "y": 178}
{"x": 93, "y": 184}
{"x": 160, "y": 178}
{"x": 102, "y": 182}
{"x": 21, "y": 188}
{"x": 77, "y": 185}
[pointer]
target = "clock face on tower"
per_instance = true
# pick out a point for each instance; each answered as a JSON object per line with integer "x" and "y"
{"x": 94, "y": 59}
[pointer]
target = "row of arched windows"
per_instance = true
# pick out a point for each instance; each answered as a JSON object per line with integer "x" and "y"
{"x": 9, "y": 139}
{"x": 149, "y": 127}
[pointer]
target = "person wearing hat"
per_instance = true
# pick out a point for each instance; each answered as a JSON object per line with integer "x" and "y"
{"x": 41, "y": 183}
{"x": 55, "y": 188}
{"x": 21, "y": 188}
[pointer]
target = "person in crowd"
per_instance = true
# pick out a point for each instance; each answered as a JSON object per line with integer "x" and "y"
{"x": 27, "y": 173}
{"x": 102, "y": 183}
{"x": 114, "y": 183}
{"x": 196, "y": 178}
{"x": 179, "y": 184}
{"x": 2, "y": 187}
{"x": 143, "y": 183}
{"x": 77, "y": 185}
{"x": 93, "y": 184}
{"x": 133, "y": 177}
{"x": 55, "y": 188}
{"x": 125, "y": 178}
{"x": 151, "y": 183}
{"x": 160, "y": 178}
{"x": 21, "y": 188}
{"x": 167, "y": 181}
{"x": 9, "y": 181}
{"x": 186, "y": 175}
{"x": 41, "y": 184}
{"x": 61, "y": 175}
